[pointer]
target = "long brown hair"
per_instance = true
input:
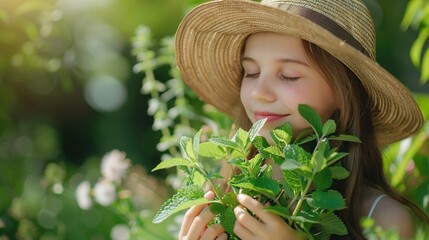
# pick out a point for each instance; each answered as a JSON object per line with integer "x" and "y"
{"x": 353, "y": 116}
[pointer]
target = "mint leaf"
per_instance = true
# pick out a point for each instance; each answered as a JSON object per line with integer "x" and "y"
{"x": 241, "y": 137}
{"x": 323, "y": 179}
{"x": 224, "y": 142}
{"x": 318, "y": 162}
{"x": 311, "y": 116}
{"x": 173, "y": 162}
{"x": 339, "y": 172}
{"x": 273, "y": 152}
{"x": 230, "y": 199}
{"x": 280, "y": 137}
{"x": 332, "y": 200}
{"x": 198, "y": 178}
{"x": 329, "y": 127}
{"x": 266, "y": 186}
{"x": 185, "y": 197}
{"x": 260, "y": 142}
{"x": 297, "y": 153}
{"x": 186, "y": 147}
{"x": 211, "y": 150}
{"x": 256, "y": 127}
{"x": 290, "y": 164}
{"x": 345, "y": 138}
{"x": 196, "y": 144}
{"x": 217, "y": 208}
{"x": 335, "y": 156}
{"x": 227, "y": 220}
{"x": 333, "y": 224}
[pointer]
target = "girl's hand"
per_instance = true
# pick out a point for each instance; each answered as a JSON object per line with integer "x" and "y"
{"x": 270, "y": 226}
{"x": 194, "y": 225}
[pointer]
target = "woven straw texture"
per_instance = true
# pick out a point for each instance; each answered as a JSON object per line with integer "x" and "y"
{"x": 210, "y": 39}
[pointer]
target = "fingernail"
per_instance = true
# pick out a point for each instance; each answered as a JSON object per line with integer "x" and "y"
{"x": 238, "y": 211}
{"x": 240, "y": 197}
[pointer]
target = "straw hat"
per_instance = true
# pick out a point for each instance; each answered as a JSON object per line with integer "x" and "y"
{"x": 210, "y": 39}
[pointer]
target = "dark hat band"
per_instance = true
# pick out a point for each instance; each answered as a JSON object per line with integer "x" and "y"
{"x": 329, "y": 25}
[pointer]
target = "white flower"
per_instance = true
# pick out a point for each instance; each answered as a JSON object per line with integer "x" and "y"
{"x": 104, "y": 192}
{"x": 114, "y": 165}
{"x": 83, "y": 195}
{"x": 120, "y": 232}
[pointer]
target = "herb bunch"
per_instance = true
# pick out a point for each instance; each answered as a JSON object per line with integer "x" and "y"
{"x": 303, "y": 197}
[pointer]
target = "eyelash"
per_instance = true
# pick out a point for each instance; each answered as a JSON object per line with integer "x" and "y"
{"x": 282, "y": 77}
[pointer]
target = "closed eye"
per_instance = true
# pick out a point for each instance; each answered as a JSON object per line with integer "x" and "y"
{"x": 289, "y": 79}
{"x": 251, "y": 75}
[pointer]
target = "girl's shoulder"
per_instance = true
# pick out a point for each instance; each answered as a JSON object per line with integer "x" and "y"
{"x": 388, "y": 213}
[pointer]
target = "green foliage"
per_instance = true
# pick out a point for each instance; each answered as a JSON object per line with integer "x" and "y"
{"x": 184, "y": 198}
{"x": 313, "y": 207}
{"x": 417, "y": 16}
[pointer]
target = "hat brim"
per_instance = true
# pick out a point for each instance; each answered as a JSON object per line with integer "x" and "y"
{"x": 210, "y": 39}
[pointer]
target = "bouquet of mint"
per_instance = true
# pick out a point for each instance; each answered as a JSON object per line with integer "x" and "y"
{"x": 303, "y": 198}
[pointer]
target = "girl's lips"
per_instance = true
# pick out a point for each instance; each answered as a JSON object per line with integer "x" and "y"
{"x": 270, "y": 116}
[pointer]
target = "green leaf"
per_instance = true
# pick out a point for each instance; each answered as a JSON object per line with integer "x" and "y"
{"x": 323, "y": 179}
{"x": 230, "y": 199}
{"x": 290, "y": 164}
{"x": 185, "y": 197}
{"x": 224, "y": 142}
{"x": 346, "y": 138}
{"x": 198, "y": 178}
{"x": 241, "y": 138}
{"x": 425, "y": 67}
{"x": 332, "y": 200}
{"x": 187, "y": 149}
{"x": 329, "y": 127}
{"x": 339, "y": 172}
{"x": 304, "y": 138}
{"x": 296, "y": 153}
{"x": 279, "y": 136}
{"x": 211, "y": 150}
{"x": 333, "y": 224}
{"x": 335, "y": 156}
{"x": 413, "y": 7}
{"x": 318, "y": 162}
{"x": 417, "y": 47}
{"x": 274, "y": 153}
{"x": 227, "y": 220}
{"x": 266, "y": 186}
{"x": 278, "y": 210}
{"x": 286, "y": 128}
{"x": 196, "y": 144}
{"x": 256, "y": 127}
{"x": 217, "y": 208}
{"x": 260, "y": 142}
{"x": 311, "y": 116}
{"x": 173, "y": 162}
{"x": 255, "y": 165}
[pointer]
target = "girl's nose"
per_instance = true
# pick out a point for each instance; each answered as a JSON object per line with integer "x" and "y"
{"x": 263, "y": 90}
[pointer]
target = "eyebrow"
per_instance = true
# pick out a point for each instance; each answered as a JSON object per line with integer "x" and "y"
{"x": 281, "y": 60}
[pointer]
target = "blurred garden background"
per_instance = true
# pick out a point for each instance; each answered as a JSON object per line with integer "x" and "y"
{"x": 80, "y": 78}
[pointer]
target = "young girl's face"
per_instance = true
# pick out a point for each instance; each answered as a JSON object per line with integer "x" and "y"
{"x": 278, "y": 76}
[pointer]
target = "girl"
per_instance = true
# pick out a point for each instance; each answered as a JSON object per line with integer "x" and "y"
{"x": 256, "y": 61}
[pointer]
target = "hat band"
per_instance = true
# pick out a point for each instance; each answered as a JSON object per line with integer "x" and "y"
{"x": 329, "y": 25}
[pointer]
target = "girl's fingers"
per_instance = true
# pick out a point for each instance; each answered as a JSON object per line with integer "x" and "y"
{"x": 209, "y": 195}
{"x": 223, "y": 236}
{"x": 254, "y": 206}
{"x": 191, "y": 214}
{"x": 242, "y": 232}
{"x": 212, "y": 232}
{"x": 246, "y": 220}
{"x": 199, "y": 224}
{"x": 189, "y": 218}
